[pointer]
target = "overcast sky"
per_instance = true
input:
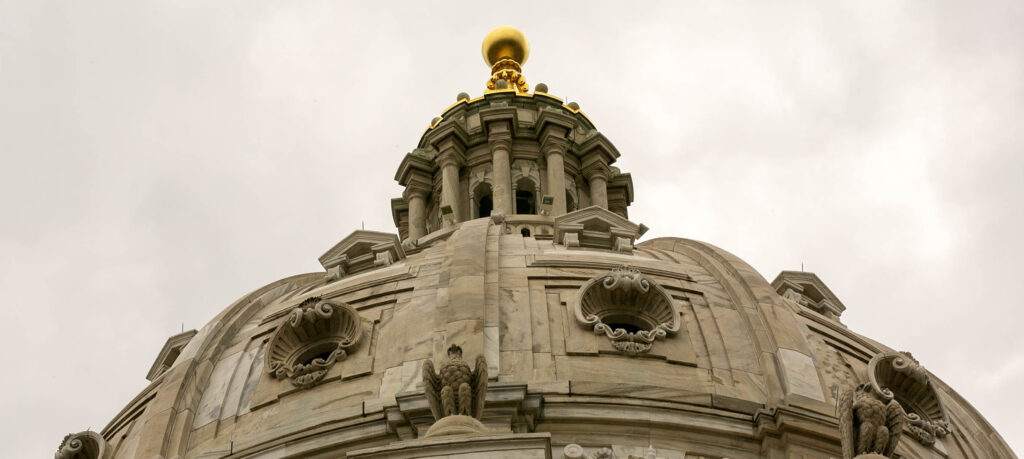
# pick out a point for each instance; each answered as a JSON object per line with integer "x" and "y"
{"x": 160, "y": 160}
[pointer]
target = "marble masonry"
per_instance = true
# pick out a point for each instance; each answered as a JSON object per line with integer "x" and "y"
{"x": 516, "y": 312}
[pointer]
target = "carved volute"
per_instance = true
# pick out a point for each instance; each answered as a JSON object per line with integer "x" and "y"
{"x": 82, "y": 445}
{"x": 629, "y": 308}
{"x": 898, "y": 376}
{"x": 316, "y": 335}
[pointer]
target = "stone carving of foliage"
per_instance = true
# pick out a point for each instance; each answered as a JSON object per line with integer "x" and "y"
{"x": 897, "y": 375}
{"x": 625, "y": 296}
{"x": 316, "y": 335}
{"x": 82, "y": 445}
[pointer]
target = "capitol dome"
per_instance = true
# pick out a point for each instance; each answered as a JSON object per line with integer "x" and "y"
{"x": 514, "y": 243}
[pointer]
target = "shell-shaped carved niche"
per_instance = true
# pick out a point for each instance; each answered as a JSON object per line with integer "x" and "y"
{"x": 897, "y": 375}
{"x": 316, "y": 335}
{"x": 82, "y": 445}
{"x": 629, "y": 308}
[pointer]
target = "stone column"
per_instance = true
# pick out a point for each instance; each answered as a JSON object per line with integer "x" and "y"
{"x": 556, "y": 181}
{"x": 417, "y": 200}
{"x": 597, "y": 172}
{"x": 449, "y": 160}
{"x": 499, "y": 138}
{"x": 554, "y": 146}
{"x": 598, "y": 190}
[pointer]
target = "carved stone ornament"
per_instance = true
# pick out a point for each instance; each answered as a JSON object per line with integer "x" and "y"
{"x": 456, "y": 394}
{"x": 868, "y": 424}
{"x": 316, "y": 335}
{"x": 82, "y": 445}
{"x": 574, "y": 451}
{"x": 629, "y": 308}
{"x": 897, "y": 375}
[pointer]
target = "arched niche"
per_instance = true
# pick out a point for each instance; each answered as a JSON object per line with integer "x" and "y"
{"x": 526, "y": 192}
{"x": 82, "y": 445}
{"x": 483, "y": 200}
{"x": 315, "y": 335}
{"x": 628, "y": 307}
{"x": 897, "y": 375}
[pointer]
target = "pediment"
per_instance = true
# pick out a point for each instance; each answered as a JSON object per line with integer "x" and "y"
{"x": 169, "y": 354}
{"x": 808, "y": 290}
{"x": 596, "y": 227}
{"x": 360, "y": 251}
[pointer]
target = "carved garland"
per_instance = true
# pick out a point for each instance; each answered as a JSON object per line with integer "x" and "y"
{"x": 625, "y": 297}
{"x": 897, "y": 375}
{"x": 315, "y": 336}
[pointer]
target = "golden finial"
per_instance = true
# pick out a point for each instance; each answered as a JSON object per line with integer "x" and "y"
{"x": 505, "y": 51}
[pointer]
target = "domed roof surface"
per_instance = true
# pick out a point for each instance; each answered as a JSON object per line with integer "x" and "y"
{"x": 514, "y": 243}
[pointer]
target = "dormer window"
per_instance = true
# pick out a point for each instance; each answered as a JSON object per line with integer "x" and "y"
{"x": 169, "y": 354}
{"x": 807, "y": 290}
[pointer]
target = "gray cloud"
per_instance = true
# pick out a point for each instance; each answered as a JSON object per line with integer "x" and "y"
{"x": 163, "y": 159}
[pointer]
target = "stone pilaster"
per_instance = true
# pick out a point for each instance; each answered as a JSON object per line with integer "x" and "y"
{"x": 499, "y": 139}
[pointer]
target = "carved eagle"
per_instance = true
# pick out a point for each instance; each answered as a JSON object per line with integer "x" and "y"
{"x": 867, "y": 425}
{"x": 456, "y": 390}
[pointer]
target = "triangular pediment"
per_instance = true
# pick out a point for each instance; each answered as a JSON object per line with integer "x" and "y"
{"x": 360, "y": 251}
{"x": 808, "y": 290}
{"x": 169, "y": 354}
{"x": 596, "y": 227}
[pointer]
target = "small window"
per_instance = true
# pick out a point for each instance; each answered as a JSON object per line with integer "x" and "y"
{"x": 483, "y": 201}
{"x": 526, "y": 198}
{"x": 525, "y": 232}
{"x": 525, "y": 202}
{"x": 484, "y": 207}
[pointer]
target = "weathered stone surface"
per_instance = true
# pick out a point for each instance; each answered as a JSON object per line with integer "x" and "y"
{"x": 744, "y": 368}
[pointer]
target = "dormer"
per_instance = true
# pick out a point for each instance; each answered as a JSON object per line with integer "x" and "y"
{"x": 169, "y": 354}
{"x": 598, "y": 228}
{"x": 360, "y": 251}
{"x": 807, "y": 290}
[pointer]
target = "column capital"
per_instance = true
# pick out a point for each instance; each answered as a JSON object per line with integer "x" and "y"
{"x": 500, "y": 139}
{"x": 450, "y": 157}
{"x": 554, "y": 136}
{"x": 450, "y": 151}
{"x": 414, "y": 167}
{"x": 415, "y": 191}
{"x": 597, "y": 168}
{"x": 553, "y": 144}
{"x": 499, "y": 130}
